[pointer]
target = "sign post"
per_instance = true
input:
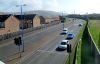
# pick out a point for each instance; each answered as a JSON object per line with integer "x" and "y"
{"x": 63, "y": 21}
{"x": 69, "y": 50}
{"x": 18, "y": 42}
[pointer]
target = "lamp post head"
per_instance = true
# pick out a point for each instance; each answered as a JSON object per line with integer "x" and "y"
{"x": 21, "y": 5}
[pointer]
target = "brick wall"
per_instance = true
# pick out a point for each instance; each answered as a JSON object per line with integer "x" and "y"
{"x": 11, "y": 25}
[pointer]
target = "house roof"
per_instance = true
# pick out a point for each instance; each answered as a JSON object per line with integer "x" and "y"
{"x": 3, "y": 17}
{"x": 41, "y": 17}
{"x": 25, "y": 17}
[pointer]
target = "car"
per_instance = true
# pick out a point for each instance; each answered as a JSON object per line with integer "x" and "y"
{"x": 80, "y": 24}
{"x": 70, "y": 36}
{"x": 63, "y": 45}
{"x": 2, "y": 62}
{"x": 65, "y": 31}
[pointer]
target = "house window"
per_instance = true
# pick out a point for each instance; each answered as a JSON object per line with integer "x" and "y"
{"x": 2, "y": 24}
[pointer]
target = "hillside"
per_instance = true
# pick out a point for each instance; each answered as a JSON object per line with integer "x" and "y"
{"x": 1, "y": 13}
{"x": 43, "y": 13}
{"x": 39, "y": 12}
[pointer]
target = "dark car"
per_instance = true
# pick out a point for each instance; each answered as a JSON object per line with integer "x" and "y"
{"x": 70, "y": 36}
{"x": 80, "y": 24}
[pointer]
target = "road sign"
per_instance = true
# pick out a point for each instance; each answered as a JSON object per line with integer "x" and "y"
{"x": 69, "y": 48}
{"x": 86, "y": 18}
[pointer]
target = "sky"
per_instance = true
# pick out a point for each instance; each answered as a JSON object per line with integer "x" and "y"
{"x": 66, "y": 6}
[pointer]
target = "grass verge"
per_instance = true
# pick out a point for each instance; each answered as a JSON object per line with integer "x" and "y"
{"x": 80, "y": 45}
{"x": 73, "y": 49}
{"x": 86, "y": 53}
{"x": 78, "y": 58}
{"x": 94, "y": 26}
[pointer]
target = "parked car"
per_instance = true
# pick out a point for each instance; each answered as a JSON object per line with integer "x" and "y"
{"x": 63, "y": 45}
{"x": 65, "y": 31}
{"x": 70, "y": 36}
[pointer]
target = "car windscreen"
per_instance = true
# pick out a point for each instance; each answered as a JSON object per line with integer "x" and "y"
{"x": 63, "y": 43}
{"x": 64, "y": 30}
{"x": 69, "y": 34}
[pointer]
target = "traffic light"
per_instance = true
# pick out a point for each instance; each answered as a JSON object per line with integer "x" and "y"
{"x": 18, "y": 41}
{"x": 63, "y": 20}
{"x": 86, "y": 18}
{"x": 69, "y": 48}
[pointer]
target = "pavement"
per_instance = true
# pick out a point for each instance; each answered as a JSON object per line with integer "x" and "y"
{"x": 40, "y": 46}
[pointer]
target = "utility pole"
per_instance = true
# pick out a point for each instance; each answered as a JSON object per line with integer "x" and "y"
{"x": 63, "y": 20}
{"x": 74, "y": 17}
{"x": 21, "y": 8}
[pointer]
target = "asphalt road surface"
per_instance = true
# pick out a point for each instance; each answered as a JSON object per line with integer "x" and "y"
{"x": 40, "y": 46}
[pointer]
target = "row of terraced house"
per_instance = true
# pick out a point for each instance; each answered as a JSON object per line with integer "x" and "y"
{"x": 14, "y": 23}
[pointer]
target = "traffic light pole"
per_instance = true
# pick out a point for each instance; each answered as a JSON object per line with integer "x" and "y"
{"x": 63, "y": 25}
{"x": 22, "y": 28}
{"x": 22, "y": 25}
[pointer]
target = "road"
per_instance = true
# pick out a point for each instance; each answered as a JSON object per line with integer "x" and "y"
{"x": 40, "y": 46}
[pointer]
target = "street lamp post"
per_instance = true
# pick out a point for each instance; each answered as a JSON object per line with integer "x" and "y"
{"x": 63, "y": 20}
{"x": 21, "y": 8}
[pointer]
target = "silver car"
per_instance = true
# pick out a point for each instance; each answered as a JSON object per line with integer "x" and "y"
{"x": 2, "y": 62}
{"x": 65, "y": 31}
{"x": 63, "y": 45}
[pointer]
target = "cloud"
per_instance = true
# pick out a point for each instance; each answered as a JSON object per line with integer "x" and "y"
{"x": 31, "y": 5}
{"x": 80, "y": 6}
{"x": 90, "y": 6}
{"x": 51, "y": 5}
{"x": 43, "y": 5}
{"x": 6, "y": 5}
